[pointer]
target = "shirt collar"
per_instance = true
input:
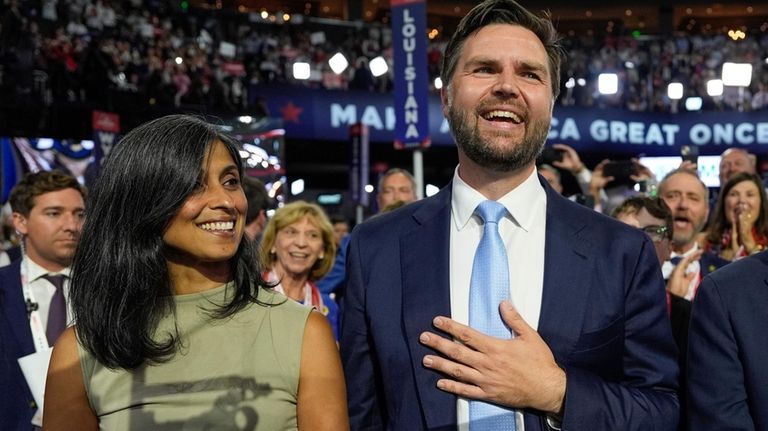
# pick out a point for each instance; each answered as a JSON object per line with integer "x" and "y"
{"x": 520, "y": 202}
{"x": 35, "y": 271}
{"x": 687, "y": 253}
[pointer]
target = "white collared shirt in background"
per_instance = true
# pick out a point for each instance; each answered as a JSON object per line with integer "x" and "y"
{"x": 523, "y": 233}
{"x": 43, "y": 290}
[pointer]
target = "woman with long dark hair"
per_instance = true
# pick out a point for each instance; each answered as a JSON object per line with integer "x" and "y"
{"x": 173, "y": 323}
{"x": 740, "y": 223}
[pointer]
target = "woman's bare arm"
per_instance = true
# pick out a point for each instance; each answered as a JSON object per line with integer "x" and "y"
{"x": 322, "y": 403}
{"x": 66, "y": 405}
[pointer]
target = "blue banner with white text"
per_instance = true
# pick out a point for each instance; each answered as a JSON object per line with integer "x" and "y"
{"x": 409, "y": 51}
{"x": 327, "y": 115}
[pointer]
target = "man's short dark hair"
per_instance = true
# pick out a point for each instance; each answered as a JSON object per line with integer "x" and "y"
{"x": 655, "y": 207}
{"x": 505, "y": 12}
{"x": 34, "y": 184}
{"x": 257, "y": 197}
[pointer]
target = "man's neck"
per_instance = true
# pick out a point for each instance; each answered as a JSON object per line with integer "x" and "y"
{"x": 46, "y": 264}
{"x": 491, "y": 184}
{"x": 685, "y": 248}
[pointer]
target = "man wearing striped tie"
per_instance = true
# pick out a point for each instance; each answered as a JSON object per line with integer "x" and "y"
{"x": 48, "y": 212}
{"x": 497, "y": 304}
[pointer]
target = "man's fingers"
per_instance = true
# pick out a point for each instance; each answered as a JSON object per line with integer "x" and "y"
{"x": 454, "y": 370}
{"x": 513, "y": 319}
{"x": 455, "y": 351}
{"x": 461, "y": 389}
{"x": 462, "y": 333}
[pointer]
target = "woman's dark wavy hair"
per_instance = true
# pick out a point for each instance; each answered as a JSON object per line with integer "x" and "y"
{"x": 720, "y": 222}
{"x": 121, "y": 287}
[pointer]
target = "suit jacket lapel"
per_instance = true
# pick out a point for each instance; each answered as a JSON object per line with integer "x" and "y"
{"x": 566, "y": 258}
{"x": 15, "y": 310}
{"x": 426, "y": 294}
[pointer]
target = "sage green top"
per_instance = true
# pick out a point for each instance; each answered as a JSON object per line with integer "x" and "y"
{"x": 239, "y": 373}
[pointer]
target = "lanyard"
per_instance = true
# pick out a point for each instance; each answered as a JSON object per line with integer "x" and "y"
{"x": 35, "y": 321}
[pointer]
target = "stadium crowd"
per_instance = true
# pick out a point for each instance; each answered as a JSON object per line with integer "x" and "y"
{"x": 153, "y": 52}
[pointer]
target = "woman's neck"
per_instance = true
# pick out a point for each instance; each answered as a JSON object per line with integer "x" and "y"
{"x": 293, "y": 285}
{"x": 194, "y": 279}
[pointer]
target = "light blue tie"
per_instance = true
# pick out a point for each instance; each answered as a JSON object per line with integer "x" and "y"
{"x": 488, "y": 287}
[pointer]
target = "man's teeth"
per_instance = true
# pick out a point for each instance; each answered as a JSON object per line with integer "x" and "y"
{"x": 503, "y": 114}
{"x": 220, "y": 225}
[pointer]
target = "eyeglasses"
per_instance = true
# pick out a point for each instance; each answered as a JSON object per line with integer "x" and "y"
{"x": 657, "y": 233}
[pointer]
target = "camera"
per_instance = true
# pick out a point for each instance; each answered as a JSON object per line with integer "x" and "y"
{"x": 689, "y": 153}
{"x": 550, "y": 155}
{"x": 621, "y": 171}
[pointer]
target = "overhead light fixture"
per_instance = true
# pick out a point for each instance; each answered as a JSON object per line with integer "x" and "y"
{"x": 693, "y": 103}
{"x": 297, "y": 187}
{"x": 715, "y": 87}
{"x": 338, "y": 63}
{"x": 608, "y": 83}
{"x": 737, "y": 74}
{"x": 301, "y": 70}
{"x": 378, "y": 66}
{"x": 675, "y": 90}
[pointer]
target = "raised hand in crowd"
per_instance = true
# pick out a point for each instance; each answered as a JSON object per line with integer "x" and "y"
{"x": 689, "y": 166}
{"x": 679, "y": 281}
{"x": 571, "y": 161}
{"x": 643, "y": 173}
{"x": 599, "y": 180}
{"x": 743, "y": 223}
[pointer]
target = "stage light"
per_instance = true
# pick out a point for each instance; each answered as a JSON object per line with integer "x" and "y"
{"x": 179, "y": 60}
{"x": 438, "y": 83}
{"x": 737, "y": 74}
{"x": 245, "y": 119}
{"x": 378, "y": 66}
{"x": 570, "y": 83}
{"x": 715, "y": 87}
{"x": 301, "y": 70}
{"x": 693, "y": 103}
{"x": 338, "y": 63}
{"x": 675, "y": 90}
{"x": 369, "y": 188}
{"x": 608, "y": 83}
{"x": 297, "y": 187}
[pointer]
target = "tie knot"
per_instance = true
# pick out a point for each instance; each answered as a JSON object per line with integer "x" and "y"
{"x": 56, "y": 279}
{"x": 490, "y": 211}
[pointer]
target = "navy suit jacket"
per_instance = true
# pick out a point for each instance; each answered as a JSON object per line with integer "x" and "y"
{"x": 728, "y": 349}
{"x": 17, "y": 406}
{"x": 603, "y": 315}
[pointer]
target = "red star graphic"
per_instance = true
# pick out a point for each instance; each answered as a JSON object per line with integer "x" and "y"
{"x": 291, "y": 112}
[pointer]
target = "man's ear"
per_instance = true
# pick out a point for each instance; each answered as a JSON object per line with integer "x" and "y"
{"x": 444, "y": 99}
{"x": 20, "y": 223}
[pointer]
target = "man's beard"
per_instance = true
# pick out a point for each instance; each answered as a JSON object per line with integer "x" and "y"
{"x": 483, "y": 151}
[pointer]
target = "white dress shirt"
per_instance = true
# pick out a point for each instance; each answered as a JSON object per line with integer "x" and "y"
{"x": 43, "y": 290}
{"x": 523, "y": 233}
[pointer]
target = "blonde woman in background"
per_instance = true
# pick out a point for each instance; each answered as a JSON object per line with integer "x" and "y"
{"x": 298, "y": 249}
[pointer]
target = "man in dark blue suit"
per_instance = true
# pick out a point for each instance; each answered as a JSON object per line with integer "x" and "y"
{"x": 591, "y": 347}
{"x": 728, "y": 349}
{"x": 48, "y": 212}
